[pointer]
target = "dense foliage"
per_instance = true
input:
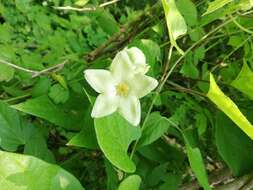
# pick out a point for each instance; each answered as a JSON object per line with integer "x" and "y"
{"x": 195, "y": 130}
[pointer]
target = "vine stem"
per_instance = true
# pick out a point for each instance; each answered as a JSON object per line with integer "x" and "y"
{"x": 34, "y": 72}
{"x": 163, "y": 81}
{"x": 84, "y": 9}
{"x": 240, "y": 26}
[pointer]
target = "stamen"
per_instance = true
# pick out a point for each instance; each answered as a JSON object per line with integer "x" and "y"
{"x": 122, "y": 89}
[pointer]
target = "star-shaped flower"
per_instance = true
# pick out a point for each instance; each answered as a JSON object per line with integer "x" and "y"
{"x": 122, "y": 86}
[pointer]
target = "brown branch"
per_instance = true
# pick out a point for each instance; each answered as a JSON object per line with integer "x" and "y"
{"x": 126, "y": 33}
{"x": 215, "y": 178}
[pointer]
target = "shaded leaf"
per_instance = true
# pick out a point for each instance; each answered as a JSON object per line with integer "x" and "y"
{"x": 11, "y": 131}
{"x": 196, "y": 162}
{"x": 234, "y": 146}
{"x": 155, "y": 127}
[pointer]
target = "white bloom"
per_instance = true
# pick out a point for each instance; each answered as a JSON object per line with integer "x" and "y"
{"x": 122, "y": 86}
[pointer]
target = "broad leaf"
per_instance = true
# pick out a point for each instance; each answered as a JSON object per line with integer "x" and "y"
{"x": 114, "y": 135}
{"x": 175, "y": 22}
{"x": 21, "y": 172}
{"x": 132, "y": 182}
{"x": 226, "y": 105}
{"x": 234, "y": 146}
{"x": 244, "y": 81}
{"x": 155, "y": 127}
{"x": 43, "y": 107}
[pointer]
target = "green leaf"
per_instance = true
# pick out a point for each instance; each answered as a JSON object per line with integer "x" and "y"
{"x": 36, "y": 145}
{"x": 112, "y": 177}
{"x": 132, "y": 182}
{"x": 234, "y": 146}
{"x": 58, "y": 94}
{"x": 41, "y": 87}
{"x": 244, "y": 81}
{"x": 175, "y": 22}
{"x": 43, "y": 107}
{"x": 114, "y": 135}
{"x": 155, "y": 127}
{"x": 26, "y": 172}
{"x": 81, "y": 3}
{"x": 11, "y": 131}
{"x": 196, "y": 162}
{"x": 225, "y": 104}
{"x": 107, "y": 22}
{"x": 86, "y": 138}
{"x": 189, "y": 11}
{"x": 216, "y": 4}
{"x": 6, "y": 72}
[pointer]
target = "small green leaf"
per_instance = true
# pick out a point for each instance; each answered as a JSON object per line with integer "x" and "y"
{"x": 155, "y": 127}
{"x": 81, "y": 3}
{"x": 132, "y": 182}
{"x": 244, "y": 81}
{"x": 41, "y": 87}
{"x": 6, "y": 72}
{"x": 226, "y": 105}
{"x": 114, "y": 135}
{"x": 196, "y": 162}
{"x": 19, "y": 171}
{"x": 58, "y": 94}
{"x": 215, "y": 5}
{"x": 87, "y": 136}
{"x": 175, "y": 22}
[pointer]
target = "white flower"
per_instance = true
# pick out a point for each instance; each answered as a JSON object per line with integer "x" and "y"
{"x": 121, "y": 88}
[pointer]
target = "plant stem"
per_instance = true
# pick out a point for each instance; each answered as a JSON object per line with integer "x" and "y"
{"x": 162, "y": 83}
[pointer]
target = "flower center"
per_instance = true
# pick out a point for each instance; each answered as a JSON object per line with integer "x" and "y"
{"x": 122, "y": 89}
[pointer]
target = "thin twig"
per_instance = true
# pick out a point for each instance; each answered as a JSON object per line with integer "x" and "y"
{"x": 240, "y": 26}
{"x": 108, "y": 3}
{"x": 86, "y": 9}
{"x": 34, "y": 72}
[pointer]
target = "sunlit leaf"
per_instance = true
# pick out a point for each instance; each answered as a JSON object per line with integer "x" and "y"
{"x": 244, "y": 81}
{"x": 175, "y": 22}
{"x": 131, "y": 182}
{"x": 114, "y": 135}
{"x": 215, "y": 5}
{"x": 21, "y": 172}
{"x": 225, "y": 104}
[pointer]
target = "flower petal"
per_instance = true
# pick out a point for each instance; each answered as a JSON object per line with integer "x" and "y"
{"x": 130, "y": 109}
{"x": 141, "y": 85}
{"x": 104, "y": 105}
{"x": 100, "y": 80}
{"x": 136, "y": 55}
{"x": 121, "y": 66}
